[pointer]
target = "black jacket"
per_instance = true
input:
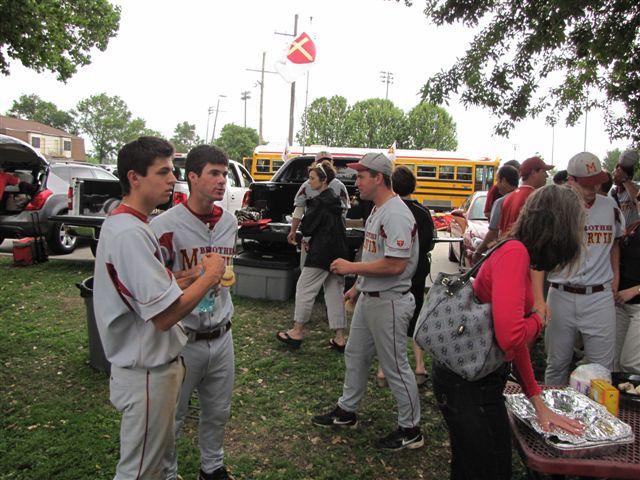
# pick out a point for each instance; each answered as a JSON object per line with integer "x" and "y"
{"x": 323, "y": 222}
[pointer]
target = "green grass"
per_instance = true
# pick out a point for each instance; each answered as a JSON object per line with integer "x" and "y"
{"x": 58, "y": 423}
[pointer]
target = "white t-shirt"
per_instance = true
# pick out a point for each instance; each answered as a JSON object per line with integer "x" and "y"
{"x": 604, "y": 224}
{"x": 184, "y": 240}
{"x": 390, "y": 231}
{"x": 131, "y": 285}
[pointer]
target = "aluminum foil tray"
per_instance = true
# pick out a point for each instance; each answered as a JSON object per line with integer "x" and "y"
{"x": 603, "y": 434}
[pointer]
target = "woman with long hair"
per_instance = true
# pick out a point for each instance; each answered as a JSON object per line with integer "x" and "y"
{"x": 548, "y": 235}
{"x": 322, "y": 222}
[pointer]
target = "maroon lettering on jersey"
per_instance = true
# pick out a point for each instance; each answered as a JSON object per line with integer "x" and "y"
{"x": 188, "y": 262}
{"x": 166, "y": 247}
{"x": 383, "y": 234}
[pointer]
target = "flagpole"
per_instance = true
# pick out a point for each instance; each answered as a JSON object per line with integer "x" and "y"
{"x": 306, "y": 125}
{"x": 293, "y": 88}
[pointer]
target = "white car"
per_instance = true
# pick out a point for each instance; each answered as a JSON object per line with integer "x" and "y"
{"x": 238, "y": 182}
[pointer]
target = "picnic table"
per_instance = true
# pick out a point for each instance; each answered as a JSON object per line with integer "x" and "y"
{"x": 540, "y": 459}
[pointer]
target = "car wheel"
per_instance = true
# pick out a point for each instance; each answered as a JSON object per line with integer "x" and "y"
{"x": 452, "y": 254}
{"x": 93, "y": 245}
{"x": 60, "y": 241}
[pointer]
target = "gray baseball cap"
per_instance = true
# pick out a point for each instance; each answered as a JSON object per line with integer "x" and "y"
{"x": 378, "y": 162}
{"x": 628, "y": 159}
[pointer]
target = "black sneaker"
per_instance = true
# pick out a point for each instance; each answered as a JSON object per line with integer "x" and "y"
{"x": 402, "y": 438}
{"x": 337, "y": 417}
{"x": 218, "y": 474}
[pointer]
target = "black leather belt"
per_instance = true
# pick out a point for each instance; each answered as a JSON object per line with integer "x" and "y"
{"x": 377, "y": 294}
{"x": 580, "y": 290}
{"x": 212, "y": 334}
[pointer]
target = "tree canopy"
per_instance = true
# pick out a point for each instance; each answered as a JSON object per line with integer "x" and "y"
{"x": 545, "y": 57}
{"x": 55, "y": 35}
{"x": 107, "y": 121}
{"x": 185, "y": 137}
{"x": 237, "y": 141}
{"x": 376, "y": 123}
{"x": 32, "y": 107}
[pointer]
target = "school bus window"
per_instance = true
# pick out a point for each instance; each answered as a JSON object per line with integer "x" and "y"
{"x": 262, "y": 165}
{"x": 426, "y": 171}
{"x": 464, "y": 174}
{"x": 446, "y": 172}
{"x": 275, "y": 165}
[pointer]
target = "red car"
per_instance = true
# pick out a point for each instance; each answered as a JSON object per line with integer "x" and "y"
{"x": 469, "y": 223}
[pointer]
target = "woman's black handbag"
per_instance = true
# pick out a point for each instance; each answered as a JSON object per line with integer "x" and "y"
{"x": 456, "y": 329}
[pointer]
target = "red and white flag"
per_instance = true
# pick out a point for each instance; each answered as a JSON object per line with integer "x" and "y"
{"x": 297, "y": 58}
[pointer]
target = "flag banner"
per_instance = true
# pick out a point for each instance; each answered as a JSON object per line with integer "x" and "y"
{"x": 391, "y": 153}
{"x": 297, "y": 58}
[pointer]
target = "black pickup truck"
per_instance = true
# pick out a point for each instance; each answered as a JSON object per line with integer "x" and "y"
{"x": 274, "y": 200}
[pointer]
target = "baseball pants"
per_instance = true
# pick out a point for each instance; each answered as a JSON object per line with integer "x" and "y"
{"x": 379, "y": 325}
{"x": 147, "y": 399}
{"x": 592, "y": 315}
{"x": 210, "y": 371}
{"x": 309, "y": 283}
{"x": 628, "y": 338}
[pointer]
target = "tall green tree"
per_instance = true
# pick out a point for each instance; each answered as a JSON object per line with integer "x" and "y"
{"x": 237, "y": 141}
{"x": 32, "y": 107}
{"x": 108, "y": 123}
{"x": 430, "y": 126}
{"x": 324, "y": 121}
{"x": 545, "y": 57}
{"x": 55, "y": 35}
{"x": 375, "y": 123}
{"x": 185, "y": 137}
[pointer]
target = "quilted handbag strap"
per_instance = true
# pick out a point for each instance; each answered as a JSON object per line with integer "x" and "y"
{"x": 456, "y": 284}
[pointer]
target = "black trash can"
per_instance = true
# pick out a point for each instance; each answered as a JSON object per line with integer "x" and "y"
{"x": 97, "y": 359}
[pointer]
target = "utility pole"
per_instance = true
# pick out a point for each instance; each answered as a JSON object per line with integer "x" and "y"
{"x": 261, "y": 83}
{"x": 293, "y": 84}
{"x": 386, "y": 77}
{"x": 244, "y": 96}
{"x": 586, "y": 113}
{"x": 215, "y": 119}
{"x": 209, "y": 112}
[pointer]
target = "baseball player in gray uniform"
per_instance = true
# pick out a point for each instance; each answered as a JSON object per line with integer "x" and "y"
{"x": 582, "y": 300}
{"x": 384, "y": 306}
{"x": 187, "y": 232}
{"x": 138, "y": 304}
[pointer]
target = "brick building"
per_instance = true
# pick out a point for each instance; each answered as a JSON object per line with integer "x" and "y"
{"x": 53, "y": 143}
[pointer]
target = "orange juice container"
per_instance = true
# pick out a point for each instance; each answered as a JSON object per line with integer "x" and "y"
{"x": 605, "y": 394}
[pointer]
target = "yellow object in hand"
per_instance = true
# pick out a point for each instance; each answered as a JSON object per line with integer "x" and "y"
{"x": 229, "y": 278}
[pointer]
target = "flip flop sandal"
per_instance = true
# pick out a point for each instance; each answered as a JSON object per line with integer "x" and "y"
{"x": 337, "y": 347}
{"x": 421, "y": 379}
{"x": 381, "y": 381}
{"x": 284, "y": 337}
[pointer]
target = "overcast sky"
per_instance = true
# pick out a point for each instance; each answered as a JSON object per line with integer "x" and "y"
{"x": 171, "y": 60}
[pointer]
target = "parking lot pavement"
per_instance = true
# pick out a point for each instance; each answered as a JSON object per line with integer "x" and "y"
{"x": 83, "y": 252}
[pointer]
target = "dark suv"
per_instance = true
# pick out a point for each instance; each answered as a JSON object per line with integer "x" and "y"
{"x": 22, "y": 214}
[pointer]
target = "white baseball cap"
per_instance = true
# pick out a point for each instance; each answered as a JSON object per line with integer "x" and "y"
{"x": 587, "y": 169}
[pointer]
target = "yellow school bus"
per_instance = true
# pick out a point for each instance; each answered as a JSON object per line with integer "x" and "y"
{"x": 444, "y": 179}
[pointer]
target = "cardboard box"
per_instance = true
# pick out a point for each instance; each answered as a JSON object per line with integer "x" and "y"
{"x": 605, "y": 394}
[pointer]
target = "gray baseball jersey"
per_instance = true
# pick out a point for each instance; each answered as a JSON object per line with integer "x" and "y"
{"x": 496, "y": 209}
{"x": 305, "y": 193}
{"x": 604, "y": 224}
{"x": 184, "y": 239}
{"x": 131, "y": 286}
{"x": 390, "y": 231}
{"x": 628, "y": 205}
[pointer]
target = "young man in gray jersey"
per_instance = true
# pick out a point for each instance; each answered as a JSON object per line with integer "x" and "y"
{"x": 582, "y": 300}
{"x": 384, "y": 306}
{"x": 138, "y": 304}
{"x": 187, "y": 233}
{"x": 625, "y": 192}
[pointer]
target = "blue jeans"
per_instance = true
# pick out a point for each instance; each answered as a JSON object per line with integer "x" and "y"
{"x": 476, "y": 416}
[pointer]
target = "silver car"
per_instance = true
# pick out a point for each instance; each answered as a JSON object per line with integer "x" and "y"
{"x": 25, "y": 211}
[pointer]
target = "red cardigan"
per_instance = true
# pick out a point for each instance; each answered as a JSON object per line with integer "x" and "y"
{"x": 504, "y": 281}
